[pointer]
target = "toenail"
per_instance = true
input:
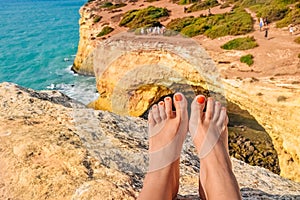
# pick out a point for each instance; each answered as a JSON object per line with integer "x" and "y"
{"x": 178, "y": 97}
{"x": 201, "y": 100}
{"x": 161, "y": 103}
{"x": 168, "y": 98}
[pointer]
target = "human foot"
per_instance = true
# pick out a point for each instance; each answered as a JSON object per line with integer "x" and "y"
{"x": 210, "y": 137}
{"x": 167, "y": 131}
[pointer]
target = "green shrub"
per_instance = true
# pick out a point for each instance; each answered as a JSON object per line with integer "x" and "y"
{"x": 248, "y": 3}
{"x": 97, "y": 19}
{"x": 248, "y": 59}
{"x": 105, "y": 30}
{"x": 225, "y": 5}
{"x": 293, "y": 17}
{"x": 203, "y": 5}
{"x": 179, "y": 23}
{"x": 194, "y": 30}
{"x": 184, "y": 2}
{"x": 273, "y": 12}
{"x": 106, "y": 4}
{"x": 112, "y": 6}
{"x": 240, "y": 44}
{"x": 297, "y": 40}
{"x": 147, "y": 17}
{"x": 237, "y": 22}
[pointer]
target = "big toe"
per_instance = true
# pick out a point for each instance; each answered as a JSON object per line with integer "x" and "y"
{"x": 180, "y": 104}
{"x": 197, "y": 107}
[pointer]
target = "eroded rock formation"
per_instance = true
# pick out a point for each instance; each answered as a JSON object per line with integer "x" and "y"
{"x": 133, "y": 72}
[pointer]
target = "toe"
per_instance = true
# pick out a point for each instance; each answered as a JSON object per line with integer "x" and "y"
{"x": 223, "y": 118}
{"x": 197, "y": 108}
{"x": 180, "y": 103}
{"x": 217, "y": 111}
{"x": 162, "y": 110}
{"x": 209, "y": 109}
{"x": 151, "y": 121}
{"x": 155, "y": 113}
{"x": 168, "y": 107}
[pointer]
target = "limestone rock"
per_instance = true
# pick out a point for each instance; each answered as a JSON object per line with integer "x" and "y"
{"x": 133, "y": 71}
{"x": 50, "y": 151}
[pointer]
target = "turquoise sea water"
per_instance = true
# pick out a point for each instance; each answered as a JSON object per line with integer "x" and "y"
{"x": 38, "y": 43}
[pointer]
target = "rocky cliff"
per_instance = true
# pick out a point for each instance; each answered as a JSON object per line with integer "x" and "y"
{"x": 55, "y": 148}
{"x": 139, "y": 71}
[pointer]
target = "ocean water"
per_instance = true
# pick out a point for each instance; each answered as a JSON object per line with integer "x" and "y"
{"x": 38, "y": 43}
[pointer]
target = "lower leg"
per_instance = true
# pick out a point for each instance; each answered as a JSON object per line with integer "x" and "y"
{"x": 167, "y": 131}
{"x": 210, "y": 136}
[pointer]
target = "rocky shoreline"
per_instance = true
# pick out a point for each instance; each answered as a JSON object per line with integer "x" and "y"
{"x": 53, "y": 147}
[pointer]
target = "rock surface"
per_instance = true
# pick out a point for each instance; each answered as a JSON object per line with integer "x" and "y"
{"x": 54, "y": 148}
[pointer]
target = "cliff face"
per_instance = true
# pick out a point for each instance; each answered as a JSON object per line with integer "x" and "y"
{"x": 280, "y": 118}
{"x": 53, "y": 147}
{"x": 83, "y": 62}
{"x": 138, "y": 72}
{"x": 133, "y": 72}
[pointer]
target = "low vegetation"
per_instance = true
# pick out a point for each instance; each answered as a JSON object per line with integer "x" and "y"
{"x": 297, "y": 40}
{"x": 225, "y": 5}
{"x": 240, "y": 44}
{"x": 111, "y": 6}
{"x": 281, "y": 98}
{"x": 293, "y": 17}
{"x": 202, "y": 5}
{"x": 105, "y": 30}
{"x": 184, "y": 2}
{"x": 97, "y": 19}
{"x": 285, "y": 12}
{"x": 147, "y": 17}
{"x": 238, "y": 22}
{"x": 248, "y": 59}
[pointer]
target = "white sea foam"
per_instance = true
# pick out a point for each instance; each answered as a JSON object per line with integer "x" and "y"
{"x": 83, "y": 91}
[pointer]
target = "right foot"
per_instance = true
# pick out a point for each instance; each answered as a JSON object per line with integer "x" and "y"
{"x": 210, "y": 137}
{"x": 167, "y": 131}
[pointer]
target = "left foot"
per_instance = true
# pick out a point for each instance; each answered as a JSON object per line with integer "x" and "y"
{"x": 167, "y": 131}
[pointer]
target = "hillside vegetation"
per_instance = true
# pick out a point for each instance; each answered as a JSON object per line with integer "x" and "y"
{"x": 240, "y": 44}
{"x": 202, "y": 5}
{"x": 237, "y": 22}
{"x": 147, "y": 17}
{"x": 284, "y": 12}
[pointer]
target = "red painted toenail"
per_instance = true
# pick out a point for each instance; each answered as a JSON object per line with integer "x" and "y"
{"x": 168, "y": 98}
{"x": 201, "y": 99}
{"x": 178, "y": 97}
{"x": 161, "y": 103}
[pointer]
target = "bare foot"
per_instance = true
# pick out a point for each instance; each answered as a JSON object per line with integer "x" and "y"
{"x": 210, "y": 137}
{"x": 167, "y": 131}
